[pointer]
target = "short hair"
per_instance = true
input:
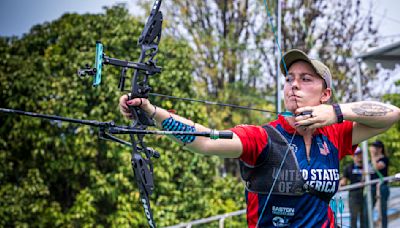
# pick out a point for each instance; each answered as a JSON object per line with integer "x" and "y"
{"x": 379, "y": 144}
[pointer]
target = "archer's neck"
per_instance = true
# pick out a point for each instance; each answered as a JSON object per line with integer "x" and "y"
{"x": 303, "y": 131}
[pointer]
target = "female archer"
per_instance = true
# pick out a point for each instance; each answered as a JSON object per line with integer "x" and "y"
{"x": 290, "y": 165}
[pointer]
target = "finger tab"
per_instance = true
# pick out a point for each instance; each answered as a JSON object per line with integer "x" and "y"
{"x": 305, "y": 113}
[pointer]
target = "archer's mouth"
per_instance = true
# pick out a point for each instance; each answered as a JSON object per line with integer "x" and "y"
{"x": 294, "y": 97}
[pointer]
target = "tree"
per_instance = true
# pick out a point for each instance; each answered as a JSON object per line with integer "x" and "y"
{"x": 231, "y": 37}
{"x": 58, "y": 174}
{"x": 391, "y": 138}
{"x": 235, "y": 58}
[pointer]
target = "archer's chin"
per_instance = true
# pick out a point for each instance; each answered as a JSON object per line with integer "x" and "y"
{"x": 290, "y": 106}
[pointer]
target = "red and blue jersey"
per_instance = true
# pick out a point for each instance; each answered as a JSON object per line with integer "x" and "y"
{"x": 328, "y": 145}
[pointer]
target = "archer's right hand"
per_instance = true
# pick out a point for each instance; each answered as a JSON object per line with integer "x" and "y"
{"x": 124, "y": 104}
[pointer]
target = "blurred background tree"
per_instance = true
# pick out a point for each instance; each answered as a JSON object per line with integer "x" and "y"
{"x": 235, "y": 58}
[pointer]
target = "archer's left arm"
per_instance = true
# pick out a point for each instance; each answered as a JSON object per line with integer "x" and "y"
{"x": 370, "y": 118}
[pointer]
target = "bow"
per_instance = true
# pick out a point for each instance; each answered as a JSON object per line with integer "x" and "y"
{"x": 143, "y": 69}
{"x": 142, "y": 166}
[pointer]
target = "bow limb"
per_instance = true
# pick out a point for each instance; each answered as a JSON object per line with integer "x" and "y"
{"x": 142, "y": 166}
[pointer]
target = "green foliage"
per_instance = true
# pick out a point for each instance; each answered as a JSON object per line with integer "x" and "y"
{"x": 391, "y": 138}
{"x": 59, "y": 174}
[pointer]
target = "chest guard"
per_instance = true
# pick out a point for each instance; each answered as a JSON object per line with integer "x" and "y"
{"x": 260, "y": 177}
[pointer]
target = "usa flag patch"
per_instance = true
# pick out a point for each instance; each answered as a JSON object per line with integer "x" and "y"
{"x": 323, "y": 148}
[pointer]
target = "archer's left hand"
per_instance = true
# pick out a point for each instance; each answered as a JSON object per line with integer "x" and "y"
{"x": 321, "y": 115}
{"x": 142, "y": 103}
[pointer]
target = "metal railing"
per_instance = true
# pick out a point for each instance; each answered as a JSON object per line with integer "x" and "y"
{"x": 221, "y": 218}
{"x": 374, "y": 181}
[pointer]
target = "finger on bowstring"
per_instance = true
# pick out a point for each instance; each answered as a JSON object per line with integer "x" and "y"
{"x": 303, "y": 110}
{"x": 305, "y": 113}
{"x": 303, "y": 117}
{"x": 309, "y": 120}
{"x": 314, "y": 118}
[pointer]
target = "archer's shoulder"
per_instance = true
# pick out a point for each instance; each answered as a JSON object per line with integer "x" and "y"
{"x": 247, "y": 130}
{"x": 248, "y": 127}
{"x": 338, "y": 127}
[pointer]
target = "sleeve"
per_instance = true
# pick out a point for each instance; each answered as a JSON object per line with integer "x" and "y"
{"x": 386, "y": 161}
{"x": 346, "y": 172}
{"x": 254, "y": 139}
{"x": 344, "y": 138}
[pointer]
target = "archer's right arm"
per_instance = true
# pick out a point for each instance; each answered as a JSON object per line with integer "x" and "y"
{"x": 227, "y": 148}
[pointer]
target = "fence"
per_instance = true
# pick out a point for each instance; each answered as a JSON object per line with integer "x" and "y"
{"x": 394, "y": 201}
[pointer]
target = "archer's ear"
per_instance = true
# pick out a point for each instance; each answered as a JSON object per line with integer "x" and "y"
{"x": 326, "y": 95}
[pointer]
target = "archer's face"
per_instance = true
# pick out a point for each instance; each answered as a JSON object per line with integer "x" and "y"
{"x": 304, "y": 87}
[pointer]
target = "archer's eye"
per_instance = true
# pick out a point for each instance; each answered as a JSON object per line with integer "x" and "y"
{"x": 306, "y": 78}
{"x": 289, "y": 78}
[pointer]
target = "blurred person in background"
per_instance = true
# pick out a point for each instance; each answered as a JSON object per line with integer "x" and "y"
{"x": 380, "y": 162}
{"x": 353, "y": 173}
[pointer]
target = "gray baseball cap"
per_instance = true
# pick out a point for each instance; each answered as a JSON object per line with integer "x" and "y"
{"x": 295, "y": 55}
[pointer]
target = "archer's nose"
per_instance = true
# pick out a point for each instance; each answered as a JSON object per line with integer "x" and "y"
{"x": 295, "y": 84}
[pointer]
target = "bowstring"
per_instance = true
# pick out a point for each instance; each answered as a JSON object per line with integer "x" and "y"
{"x": 275, "y": 179}
{"x": 295, "y": 131}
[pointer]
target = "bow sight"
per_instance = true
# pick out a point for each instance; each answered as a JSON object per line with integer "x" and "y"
{"x": 148, "y": 40}
{"x": 149, "y": 68}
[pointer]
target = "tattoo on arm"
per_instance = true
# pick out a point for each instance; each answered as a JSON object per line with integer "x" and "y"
{"x": 371, "y": 109}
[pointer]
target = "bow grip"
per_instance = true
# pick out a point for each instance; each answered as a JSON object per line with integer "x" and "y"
{"x": 142, "y": 117}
